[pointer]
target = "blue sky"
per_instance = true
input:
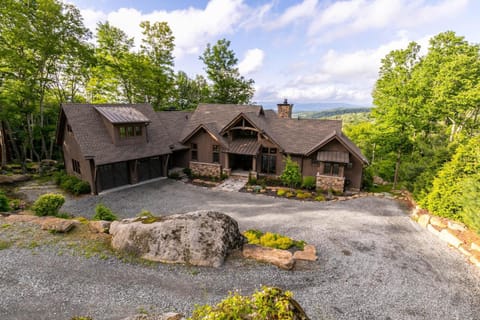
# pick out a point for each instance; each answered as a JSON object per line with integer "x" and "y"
{"x": 305, "y": 50}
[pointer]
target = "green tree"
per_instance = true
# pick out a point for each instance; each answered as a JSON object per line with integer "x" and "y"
{"x": 291, "y": 175}
{"x": 394, "y": 97}
{"x": 449, "y": 77}
{"x": 471, "y": 202}
{"x": 446, "y": 198}
{"x": 37, "y": 40}
{"x": 156, "y": 67}
{"x": 228, "y": 86}
{"x": 190, "y": 92}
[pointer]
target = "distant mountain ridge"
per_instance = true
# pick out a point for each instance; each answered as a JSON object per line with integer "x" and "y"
{"x": 314, "y": 106}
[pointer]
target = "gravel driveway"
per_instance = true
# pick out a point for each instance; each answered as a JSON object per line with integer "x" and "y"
{"x": 374, "y": 263}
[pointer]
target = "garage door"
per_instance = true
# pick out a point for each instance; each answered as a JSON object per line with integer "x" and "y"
{"x": 112, "y": 175}
{"x": 149, "y": 168}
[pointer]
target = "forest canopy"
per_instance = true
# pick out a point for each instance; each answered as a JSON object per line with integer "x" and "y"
{"x": 47, "y": 57}
{"x": 424, "y": 129}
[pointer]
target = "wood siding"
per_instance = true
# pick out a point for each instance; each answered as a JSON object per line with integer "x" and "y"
{"x": 71, "y": 150}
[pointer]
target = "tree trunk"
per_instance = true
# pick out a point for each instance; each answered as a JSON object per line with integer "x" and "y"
{"x": 3, "y": 147}
{"x": 397, "y": 169}
{"x": 16, "y": 152}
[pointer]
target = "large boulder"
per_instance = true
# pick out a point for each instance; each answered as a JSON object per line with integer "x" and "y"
{"x": 201, "y": 238}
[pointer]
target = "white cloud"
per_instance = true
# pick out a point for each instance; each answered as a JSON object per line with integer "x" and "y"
{"x": 92, "y": 17}
{"x": 346, "y": 18}
{"x": 339, "y": 76}
{"x": 191, "y": 27}
{"x": 252, "y": 62}
{"x": 294, "y": 13}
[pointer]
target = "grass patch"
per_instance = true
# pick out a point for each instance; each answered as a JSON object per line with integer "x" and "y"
{"x": 5, "y": 244}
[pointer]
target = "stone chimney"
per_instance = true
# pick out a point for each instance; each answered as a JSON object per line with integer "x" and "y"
{"x": 285, "y": 109}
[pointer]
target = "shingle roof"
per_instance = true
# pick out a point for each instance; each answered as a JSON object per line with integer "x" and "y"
{"x": 295, "y": 136}
{"x": 219, "y": 114}
{"x": 94, "y": 140}
{"x": 174, "y": 122}
{"x": 299, "y": 136}
{"x": 122, "y": 114}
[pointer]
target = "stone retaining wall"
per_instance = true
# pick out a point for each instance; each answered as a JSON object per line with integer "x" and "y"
{"x": 330, "y": 182}
{"x": 447, "y": 231}
{"x": 206, "y": 169}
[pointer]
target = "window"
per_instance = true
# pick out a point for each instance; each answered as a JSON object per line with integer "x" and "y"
{"x": 76, "y": 166}
{"x": 194, "y": 150}
{"x": 331, "y": 168}
{"x": 138, "y": 131}
{"x": 216, "y": 153}
{"x": 269, "y": 160}
{"x": 130, "y": 131}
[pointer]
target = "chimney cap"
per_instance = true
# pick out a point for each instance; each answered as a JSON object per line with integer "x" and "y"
{"x": 285, "y": 101}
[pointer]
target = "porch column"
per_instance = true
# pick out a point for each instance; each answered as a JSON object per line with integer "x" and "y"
{"x": 227, "y": 161}
{"x": 254, "y": 163}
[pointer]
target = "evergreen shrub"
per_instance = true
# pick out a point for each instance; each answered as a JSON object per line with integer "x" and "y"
{"x": 102, "y": 212}
{"x": 48, "y": 204}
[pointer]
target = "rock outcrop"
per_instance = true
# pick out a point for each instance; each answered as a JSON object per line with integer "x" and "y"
{"x": 201, "y": 238}
{"x": 280, "y": 258}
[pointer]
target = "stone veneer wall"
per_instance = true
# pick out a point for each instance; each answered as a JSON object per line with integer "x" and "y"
{"x": 327, "y": 182}
{"x": 206, "y": 169}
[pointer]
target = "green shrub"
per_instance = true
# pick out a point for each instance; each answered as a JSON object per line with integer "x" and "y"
{"x": 174, "y": 175}
{"x": 272, "y": 240}
{"x": 71, "y": 184}
{"x": 320, "y": 197}
{"x": 269, "y": 303}
{"x": 446, "y": 198}
{"x": 4, "y": 206}
{"x": 309, "y": 182}
{"x": 290, "y": 194}
{"x": 291, "y": 175}
{"x": 104, "y": 213}
{"x": 188, "y": 172}
{"x": 471, "y": 203}
{"x": 48, "y": 204}
{"x": 251, "y": 180}
{"x": 281, "y": 192}
{"x": 253, "y": 236}
{"x": 304, "y": 195}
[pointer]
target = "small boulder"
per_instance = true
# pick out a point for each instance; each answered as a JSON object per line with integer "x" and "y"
{"x": 280, "y": 258}
{"x": 449, "y": 238}
{"x": 99, "y": 226}
{"x": 14, "y": 178}
{"x": 21, "y": 218}
{"x": 201, "y": 238}
{"x": 475, "y": 246}
{"x": 308, "y": 253}
{"x": 165, "y": 316}
{"x": 424, "y": 220}
{"x": 57, "y": 224}
{"x": 456, "y": 226}
{"x": 437, "y": 222}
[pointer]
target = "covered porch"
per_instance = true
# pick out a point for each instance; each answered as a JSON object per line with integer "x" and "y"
{"x": 241, "y": 157}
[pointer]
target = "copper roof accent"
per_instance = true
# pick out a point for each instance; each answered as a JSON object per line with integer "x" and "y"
{"x": 333, "y": 156}
{"x": 244, "y": 146}
{"x": 122, "y": 114}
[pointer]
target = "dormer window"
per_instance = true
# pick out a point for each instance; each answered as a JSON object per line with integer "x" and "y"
{"x": 130, "y": 131}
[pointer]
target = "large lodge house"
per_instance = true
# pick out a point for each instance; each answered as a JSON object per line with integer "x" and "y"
{"x": 112, "y": 145}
